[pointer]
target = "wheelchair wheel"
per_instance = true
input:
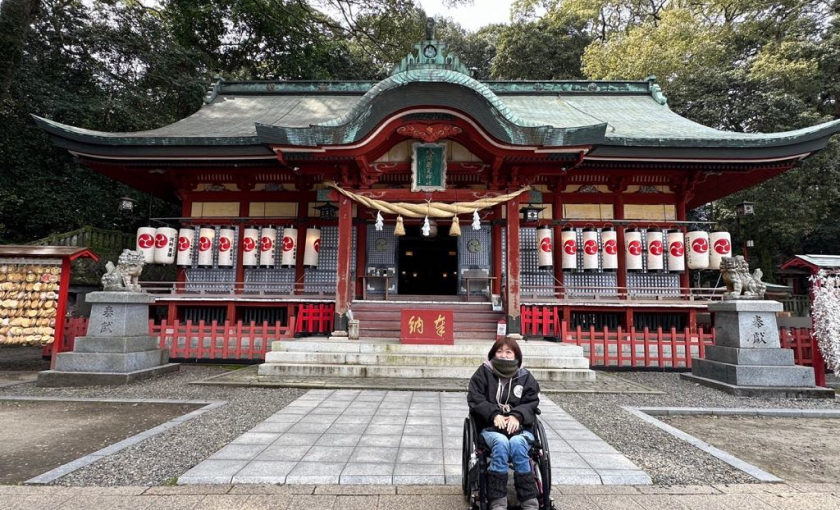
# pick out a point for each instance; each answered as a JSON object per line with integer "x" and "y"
{"x": 544, "y": 468}
{"x": 466, "y": 453}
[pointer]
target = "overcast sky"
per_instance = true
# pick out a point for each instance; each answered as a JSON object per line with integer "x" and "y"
{"x": 472, "y": 17}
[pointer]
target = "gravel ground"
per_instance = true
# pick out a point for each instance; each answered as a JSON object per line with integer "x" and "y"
{"x": 668, "y": 460}
{"x": 159, "y": 460}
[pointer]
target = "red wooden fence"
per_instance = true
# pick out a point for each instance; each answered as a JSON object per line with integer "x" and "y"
{"x": 315, "y": 318}
{"x": 642, "y": 349}
{"x": 616, "y": 348}
{"x": 214, "y": 341}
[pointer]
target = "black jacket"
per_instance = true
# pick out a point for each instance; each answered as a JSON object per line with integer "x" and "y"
{"x": 482, "y": 397}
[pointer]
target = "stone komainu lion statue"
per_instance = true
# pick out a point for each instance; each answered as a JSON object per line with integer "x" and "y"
{"x": 123, "y": 277}
{"x": 740, "y": 284}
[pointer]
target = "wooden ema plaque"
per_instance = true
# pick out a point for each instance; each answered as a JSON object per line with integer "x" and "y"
{"x": 426, "y": 327}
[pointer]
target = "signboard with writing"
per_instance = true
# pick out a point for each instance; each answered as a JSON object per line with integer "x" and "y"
{"x": 428, "y": 167}
{"x": 426, "y": 327}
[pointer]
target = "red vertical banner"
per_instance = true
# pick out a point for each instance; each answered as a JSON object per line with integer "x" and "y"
{"x": 427, "y": 327}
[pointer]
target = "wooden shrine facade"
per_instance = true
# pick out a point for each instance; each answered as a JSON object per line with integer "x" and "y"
{"x": 589, "y": 156}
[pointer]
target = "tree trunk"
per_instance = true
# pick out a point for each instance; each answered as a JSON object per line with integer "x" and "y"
{"x": 15, "y": 18}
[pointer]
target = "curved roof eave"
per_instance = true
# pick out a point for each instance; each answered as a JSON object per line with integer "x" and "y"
{"x": 431, "y": 87}
{"x": 747, "y": 141}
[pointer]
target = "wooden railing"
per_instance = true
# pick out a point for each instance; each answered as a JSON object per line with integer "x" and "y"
{"x": 218, "y": 341}
{"x": 236, "y": 288}
{"x": 640, "y": 349}
{"x": 605, "y": 293}
{"x": 95, "y": 238}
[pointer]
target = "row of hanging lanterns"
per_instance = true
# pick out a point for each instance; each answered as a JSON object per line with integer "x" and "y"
{"x": 166, "y": 245}
{"x": 700, "y": 249}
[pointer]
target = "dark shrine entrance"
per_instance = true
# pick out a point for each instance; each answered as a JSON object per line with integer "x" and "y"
{"x": 428, "y": 265}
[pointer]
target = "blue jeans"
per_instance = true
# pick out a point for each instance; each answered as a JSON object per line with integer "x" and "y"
{"x": 516, "y": 449}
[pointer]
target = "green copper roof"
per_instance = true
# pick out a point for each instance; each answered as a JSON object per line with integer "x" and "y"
{"x": 432, "y": 87}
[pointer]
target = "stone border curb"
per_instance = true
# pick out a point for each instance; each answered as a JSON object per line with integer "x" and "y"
{"x": 81, "y": 462}
{"x": 647, "y": 414}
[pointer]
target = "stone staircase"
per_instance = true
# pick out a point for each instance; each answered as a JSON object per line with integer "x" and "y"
{"x": 381, "y": 319}
{"x": 387, "y": 359}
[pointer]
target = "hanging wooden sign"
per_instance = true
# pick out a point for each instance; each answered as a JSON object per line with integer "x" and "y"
{"x": 428, "y": 167}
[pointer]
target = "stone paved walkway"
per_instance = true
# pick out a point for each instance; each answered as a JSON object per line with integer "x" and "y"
{"x": 604, "y": 383}
{"x": 383, "y": 497}
{"x": 391, "y": 437}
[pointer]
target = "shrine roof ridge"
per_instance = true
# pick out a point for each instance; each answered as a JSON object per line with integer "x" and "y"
{"x": 499, "y": 87}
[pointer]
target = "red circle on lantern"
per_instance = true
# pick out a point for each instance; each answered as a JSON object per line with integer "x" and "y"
{"x": 722, "y": 246}
{"x": 655, "y": 248}
{"x": 249, "y": 243}
{"x": 590, "y": 247}
{"x": 317, "y": 245}
{"x": 161, "y": 240}
{"x": 700, "y": 245}
{"x": 266, "y": 244}
{"x": 611, "y": 247}
{"x": 183, "y": 244}
{"x": 288, "y": 243}
{"x": 634, "y": 247}
{"x": 677, "y": 249}
{"x": 224, "y": 244}
{"x": 545, "y": 245}
{"x": 204, "y": 243}
{"x": 145, "y": 241}
{"x": 569, "y": 247}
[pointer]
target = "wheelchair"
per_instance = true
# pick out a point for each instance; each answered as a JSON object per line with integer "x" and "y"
{"x": 475, "y": 458}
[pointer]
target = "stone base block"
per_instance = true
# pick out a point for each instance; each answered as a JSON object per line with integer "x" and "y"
{"x": 110, "y": 362}
{"x": 736, "y": 356}
{"x": 120, "y": 344}
{"x": 55, "y": 378}
{"x": 754, "y": 375}
{"x": 761, "y": 391}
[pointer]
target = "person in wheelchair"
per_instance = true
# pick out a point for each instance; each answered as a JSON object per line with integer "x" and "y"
{"x": 503, "y": 399}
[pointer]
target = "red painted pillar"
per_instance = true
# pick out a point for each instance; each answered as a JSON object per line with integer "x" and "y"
{"x": 300, "y": 271}
{"x": 361, "y": 253}
{"x": 496, "y": 230}
{"x": 816, "y": 353}
{"x": 618, "y": 213}
{"x": 512, "y": 269}
{"x": 557, "y": 214}
{"x": 685, "y": 281}
{"x": 345, "y": 224}
{"x": 61, "y": 310}
{"x": 244, "y": 210}
{"x": 186, "y": 212}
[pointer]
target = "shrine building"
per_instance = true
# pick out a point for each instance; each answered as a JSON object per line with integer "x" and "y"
{"x": 566, "y": 199}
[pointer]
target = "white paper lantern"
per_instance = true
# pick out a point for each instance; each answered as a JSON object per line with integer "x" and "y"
{"x": 226, "y": 236}
{"x": 609, "y": 242}
{"x": 206, "y": 236}
{"x": 655, "y": 250}
{"x": 288, "y": 255}
{"x": 545, "y": 247}
{"x": 676, "y": 251}
{"x": 568, "y": 238}
{"x": 633, "y": 249}
{"x": 312, "y": 248}
{"x": 251, "y": 247}
{"x": 721, "y": 244}
{"x": 268, "y": 245}
{"x": 590, "y": 249}
{"x": 697, "y": 249}
{"x": 166, "y": 239}
{"x": 186, "y": 241}
{"x": 146, "y": 243}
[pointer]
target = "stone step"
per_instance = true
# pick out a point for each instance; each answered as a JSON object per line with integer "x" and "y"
{"x": 407, "y": 372}
{"x": 110, "y": 362}
{"x": 478, "y": 348}
{"x": 424, "y": 360}
{"x": 457, "y": 326}
{"x": 754, "y": 375}
{"x": 463, "y": 306}
{"x": 120, "y": 344}
{"x": 391, "y": 315}
{"x": 484, "y": 336}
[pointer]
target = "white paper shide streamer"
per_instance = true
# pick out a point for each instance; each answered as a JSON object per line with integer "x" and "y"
{"x": 476, "y": 224}
{"x": 426, "y": 229}
{"x": 380, "y": 223}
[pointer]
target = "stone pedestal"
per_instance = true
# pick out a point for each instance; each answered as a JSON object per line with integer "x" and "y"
{"x": 747, "y": 358}
{"x": 117, "y": 348}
